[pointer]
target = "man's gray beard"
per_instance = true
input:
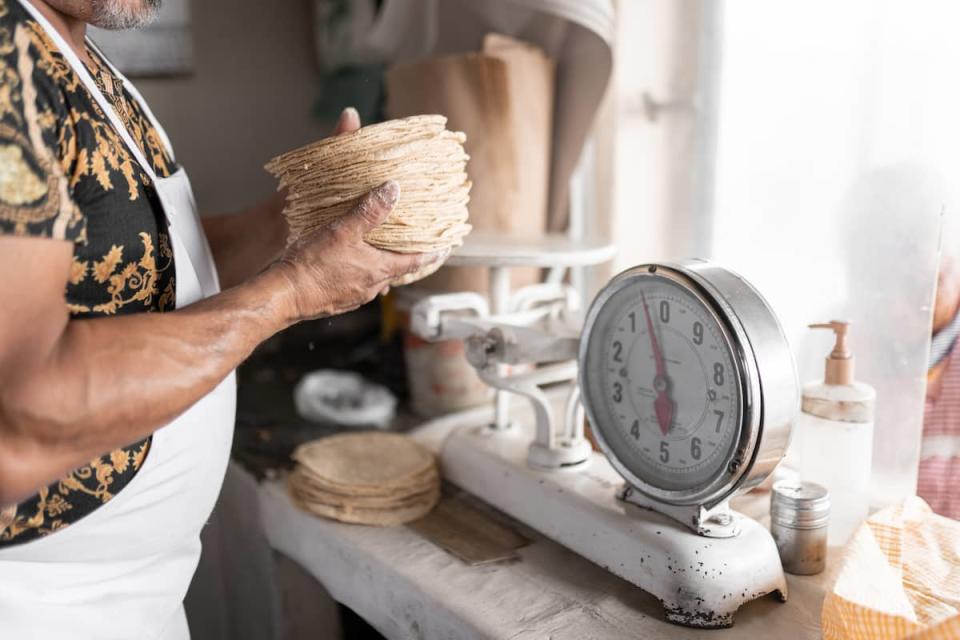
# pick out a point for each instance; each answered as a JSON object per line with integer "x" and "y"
{"x": 124, "y": 14}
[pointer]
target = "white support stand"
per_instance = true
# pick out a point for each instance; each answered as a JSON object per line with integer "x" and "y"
{"x": 499, "y": 343}
{"x": 701, "y": 581}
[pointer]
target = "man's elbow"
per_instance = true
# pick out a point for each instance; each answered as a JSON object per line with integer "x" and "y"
{"x": 35, "y": 409}
{"x": 18, "y": 473}
{"x": 13, "y": 490}
{"x": 24, "y": 454}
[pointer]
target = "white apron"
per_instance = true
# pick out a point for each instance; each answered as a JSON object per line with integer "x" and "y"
{"x": 123, "y": 570}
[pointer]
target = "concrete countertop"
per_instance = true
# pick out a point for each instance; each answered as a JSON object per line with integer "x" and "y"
{"x": 406, "y": 587}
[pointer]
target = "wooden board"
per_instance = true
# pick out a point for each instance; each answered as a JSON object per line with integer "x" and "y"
{"x": 469, "y": 533}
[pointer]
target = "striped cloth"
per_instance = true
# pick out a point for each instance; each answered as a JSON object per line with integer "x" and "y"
{"x": 939, "y": 478}
{"x": 900, "y": 579}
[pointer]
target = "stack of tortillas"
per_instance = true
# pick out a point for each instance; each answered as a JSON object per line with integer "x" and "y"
{"x": 324, "y": 180}
{"x": 371, "y": 478}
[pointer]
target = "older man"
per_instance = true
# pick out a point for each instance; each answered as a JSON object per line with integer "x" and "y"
{"x": 116, "y": 344}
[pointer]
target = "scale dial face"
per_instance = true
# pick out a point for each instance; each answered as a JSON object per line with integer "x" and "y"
{"x": 662, "y": 382}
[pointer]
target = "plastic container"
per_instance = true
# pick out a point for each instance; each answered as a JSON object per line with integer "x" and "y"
{"x": 833, "y": 437}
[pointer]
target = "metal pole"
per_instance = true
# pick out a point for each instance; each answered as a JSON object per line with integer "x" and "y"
{"x": 499, "y": 303}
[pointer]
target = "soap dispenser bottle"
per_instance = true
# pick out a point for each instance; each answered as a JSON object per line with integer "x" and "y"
{"x": 833, "y": 438}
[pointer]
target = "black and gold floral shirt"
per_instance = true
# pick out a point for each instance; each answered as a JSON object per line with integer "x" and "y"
{"x": 66, "y": 175}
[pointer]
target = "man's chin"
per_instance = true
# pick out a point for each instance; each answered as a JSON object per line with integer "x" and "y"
{"x": 117, "y": 15}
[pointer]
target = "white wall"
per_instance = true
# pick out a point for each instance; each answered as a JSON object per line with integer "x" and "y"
{"x": 837, "y": 126}
{"x": 663, "y": 149}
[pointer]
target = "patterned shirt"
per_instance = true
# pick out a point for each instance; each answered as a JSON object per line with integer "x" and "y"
{"x": 65, "y": 174}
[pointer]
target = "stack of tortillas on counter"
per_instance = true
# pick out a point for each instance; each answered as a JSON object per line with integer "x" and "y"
{"x": 324, "y": 180}
{"x": 371, "y": 478}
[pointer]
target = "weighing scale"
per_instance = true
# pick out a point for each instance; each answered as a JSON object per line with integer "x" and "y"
{"x": 689, "y": 386}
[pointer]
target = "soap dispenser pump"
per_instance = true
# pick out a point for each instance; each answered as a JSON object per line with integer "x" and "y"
{"x": 839, "y": 365}
{"x": 833, "y": 437}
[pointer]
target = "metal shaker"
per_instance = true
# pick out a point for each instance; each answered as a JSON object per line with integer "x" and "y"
{"x": 799, "y": 515}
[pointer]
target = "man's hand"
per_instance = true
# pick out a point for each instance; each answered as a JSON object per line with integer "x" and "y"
{"x": 334, "y": 270}
{"x": 244, "y": 243}
{"x": 349, "y": 121}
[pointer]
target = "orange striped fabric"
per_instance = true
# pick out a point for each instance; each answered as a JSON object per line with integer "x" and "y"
{"x": 900, "y": 579}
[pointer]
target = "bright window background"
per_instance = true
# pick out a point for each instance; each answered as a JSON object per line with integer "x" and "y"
{"x": 838, "y": 138}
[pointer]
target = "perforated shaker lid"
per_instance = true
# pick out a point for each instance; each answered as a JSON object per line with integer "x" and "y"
{"x": 801, "y": 505}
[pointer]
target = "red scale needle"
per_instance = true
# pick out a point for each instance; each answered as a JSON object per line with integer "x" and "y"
{"x": 663, "y": 406}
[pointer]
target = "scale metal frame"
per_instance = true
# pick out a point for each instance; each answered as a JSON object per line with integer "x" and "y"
{"x": 698, "y": 557}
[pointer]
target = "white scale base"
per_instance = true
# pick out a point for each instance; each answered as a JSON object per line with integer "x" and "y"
{"x": 700, "y": 581}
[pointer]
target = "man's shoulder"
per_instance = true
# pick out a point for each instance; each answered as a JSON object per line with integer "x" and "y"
{"x": 13, "y": 15}
{"x": 32, "y": 105}
{"x": 32, "y": 39}
{"x": 25, "y": 45}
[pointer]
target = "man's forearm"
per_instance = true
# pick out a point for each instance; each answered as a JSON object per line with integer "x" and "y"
{"x": 108, "y": 382}
{"x": 72, "y": 389}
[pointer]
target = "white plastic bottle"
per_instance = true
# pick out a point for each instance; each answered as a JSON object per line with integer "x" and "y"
{"x": 833, "y": 437}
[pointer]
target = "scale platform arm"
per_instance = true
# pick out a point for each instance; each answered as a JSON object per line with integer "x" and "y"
{"x": 456, "y": 316}
{"x": 530, "y": 345}
{"x": 506, "y": 345}
{"x": 448, "y": 316}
